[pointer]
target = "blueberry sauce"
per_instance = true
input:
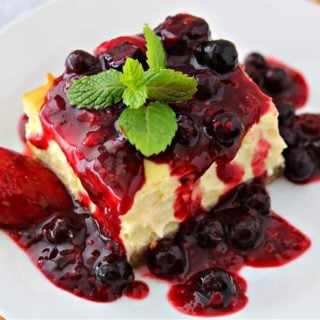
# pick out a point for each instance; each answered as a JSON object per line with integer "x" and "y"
{"x": 62, "y": 239}
{"x": 202, "y": 262}
{"x": 71, "y": 252}
{"x": 301, "y": 132}
{"x": 302, "y": 135}
{"x": 284, "y": 84}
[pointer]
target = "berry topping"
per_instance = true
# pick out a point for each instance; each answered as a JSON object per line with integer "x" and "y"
{"x": 244, "y": 231}
{"x": 187, "y": 132}
{"x": 165, "y": 259}
{"x": 302, "y": 135}
{"x": 309, "y": 125}
{"x": 226, "y": 128}
{"x": 215, "y": 287}
{"x": 286, "y": 115}
{"x": 315, "y": 150}
{"x": 285, "y": 85}
{"x": 257, "y": 198}
{"x": 299, "y": 165}
{"x": 81, "y": 62}
{"x": 219, "y": 55}
{"x": 117, "y": 56}
{"x": 24, "y": 183}
{"x": 289, "y": 135}
{"x": 182, "y": 30}
{"x": 208, "y": 85}
{"x": 254, "y": 74}
{"x": 256, "y": 60}
{"x": 277, "y": 80}
{"x": 106, "y": 46}
{"x": 114, "y": 271}
{"x": 209, "y": 233}
{"x": 58, "y": 230}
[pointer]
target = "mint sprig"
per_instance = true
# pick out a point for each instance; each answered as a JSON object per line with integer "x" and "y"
{"x": 156, "y": 56}
{"x": 169, "y": 85}
{"x": 97, "y": 92}
{"x": 150, "y": 128}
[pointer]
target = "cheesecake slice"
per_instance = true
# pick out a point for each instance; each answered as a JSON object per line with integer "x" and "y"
{"x": 227, "y": 134}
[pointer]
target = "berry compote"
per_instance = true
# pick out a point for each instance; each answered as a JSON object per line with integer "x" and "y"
{"x": 202, "y": 262}
{"x": 284, "y": 84}
{"x": 62, "y": 239}
{"x": 301, "y": 132}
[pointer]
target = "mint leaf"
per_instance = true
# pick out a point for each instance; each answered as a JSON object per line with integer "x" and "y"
{"x": 135, "y": 98}
{"x": 135, "y": 95}
{"x": 151, "y": 129}
{"x": 156, "y": 56}
{"x": 169, "y": 85}
{"x": 132, "y": 73}
{"x": 97, "y": 91}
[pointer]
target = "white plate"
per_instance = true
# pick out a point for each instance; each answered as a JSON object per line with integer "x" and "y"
{"x": 287, "y": 29}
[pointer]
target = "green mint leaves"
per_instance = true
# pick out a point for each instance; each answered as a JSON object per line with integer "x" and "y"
{"x": 156, "y": 56}
{"x": 150, "y": 128}
{"x": 97, "y": 92}
{"x": 169, "y": 85}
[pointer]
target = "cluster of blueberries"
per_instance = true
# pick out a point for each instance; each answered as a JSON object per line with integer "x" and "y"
{"x": 301, "y": 132}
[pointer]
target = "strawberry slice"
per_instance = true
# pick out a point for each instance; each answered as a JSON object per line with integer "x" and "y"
{"x": 28, "y": 191}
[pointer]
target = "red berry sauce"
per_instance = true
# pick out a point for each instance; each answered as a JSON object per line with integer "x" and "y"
{"x": 283, "y": 83}
{"x": 62, "y": 239}
{"x": 71, "y": 252}
{"x": 301, "y": 132}
{"x": 239, "y": 231}
{"x": 298, "y": 91}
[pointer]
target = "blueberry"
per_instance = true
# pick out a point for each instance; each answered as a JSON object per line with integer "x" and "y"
{"x": 116, "y": 274}
{"x": 57, "y": 231}
{"x": 257, "y": 198}
{"x": 81, "y": 62}
{"x": 299, "y": 165}
{"x": 244, "y": 232}
{"x": 215, "y": 287}
{"x": 209, "y": 233}
{"x": 315, "y": 150}
{"x": 255, "y": 74}
{"x": 226, "y": 128}
{"x": 181, "y": 31}
{"x": 208, "y": 84}
{"x": 277, "y": 80}
{"x": 309, "y": 124}
{"x": 187, "y": 131}
{"x": 117, "y": 56}
{"x": 289, "y": 135}
{"x": 286, "y": 115}
{"x": 219, "y": 55}
{"x": 166, "y": 259}
{"x": 256, "y": 60}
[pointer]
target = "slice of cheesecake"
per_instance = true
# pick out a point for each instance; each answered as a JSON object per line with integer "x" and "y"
{"x": 227, "y": 134}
